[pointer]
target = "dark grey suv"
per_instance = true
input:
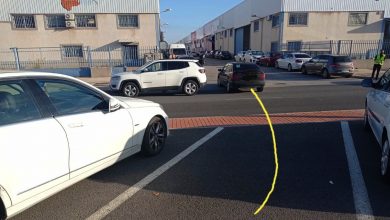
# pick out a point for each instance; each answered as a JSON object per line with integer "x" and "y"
{"x": 329, "y": 65}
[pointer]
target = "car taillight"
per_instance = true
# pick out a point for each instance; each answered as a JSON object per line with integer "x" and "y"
{"x": 261, "y": 76}
{"x": 298, "y": 61}
{"x": 202, "y": 70}
{"x": 235, "y": 77}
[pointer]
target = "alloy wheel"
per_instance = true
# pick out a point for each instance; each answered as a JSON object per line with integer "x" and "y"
{"x": 190, "y": 88}
{"x": 156, "y": 136}
{"x": 130, "y": 90}
{"x": 385, "y": 159}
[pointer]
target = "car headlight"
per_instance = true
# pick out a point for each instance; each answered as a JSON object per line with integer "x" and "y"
{"x": 115, "y": 78}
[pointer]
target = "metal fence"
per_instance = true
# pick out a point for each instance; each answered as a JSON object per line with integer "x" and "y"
{"x": 77, "y": 57}
{"x": 357, "y": 49}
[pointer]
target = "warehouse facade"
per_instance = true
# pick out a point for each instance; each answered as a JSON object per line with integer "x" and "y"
{"x": 287, "y": 24}
{"x": 75, "y": 37}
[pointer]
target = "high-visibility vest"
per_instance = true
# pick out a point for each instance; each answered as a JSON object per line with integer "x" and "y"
{"x": 380, "y": 59}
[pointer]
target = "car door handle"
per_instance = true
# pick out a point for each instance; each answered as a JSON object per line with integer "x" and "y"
{"x": 76, "y": 125}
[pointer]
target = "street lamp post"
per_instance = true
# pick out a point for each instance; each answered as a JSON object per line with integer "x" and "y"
{"x": 164, "y": 24}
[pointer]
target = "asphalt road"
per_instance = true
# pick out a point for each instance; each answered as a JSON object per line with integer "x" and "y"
{"x": 229, "y": 175}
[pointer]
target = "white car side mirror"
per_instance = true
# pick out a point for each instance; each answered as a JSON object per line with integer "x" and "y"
{"x": 114, "y": 105}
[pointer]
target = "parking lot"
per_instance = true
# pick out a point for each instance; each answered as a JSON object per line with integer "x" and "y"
{"x": 218, "y": 161}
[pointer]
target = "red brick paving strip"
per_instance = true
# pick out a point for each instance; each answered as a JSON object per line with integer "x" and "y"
{"x": 285, "y": 118}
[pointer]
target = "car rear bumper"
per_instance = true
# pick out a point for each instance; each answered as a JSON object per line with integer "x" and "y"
{"x": 247, "y": 84}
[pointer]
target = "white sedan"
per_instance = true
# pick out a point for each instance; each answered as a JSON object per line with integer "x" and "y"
{"x": 56, "y": 130}
{"x": 377, "y": 117}
{"x": 292, "y": 61}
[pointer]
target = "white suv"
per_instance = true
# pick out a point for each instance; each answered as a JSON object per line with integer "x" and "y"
{"x": 183, "y": 75}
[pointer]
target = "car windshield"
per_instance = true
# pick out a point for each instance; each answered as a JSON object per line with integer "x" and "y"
{"x": 343, "y": 59}
{"x": 257, "y": 53}
{"x": 302, "y": 56}
{"x": 143, "y": 67}
{"x": 179, "y": 51}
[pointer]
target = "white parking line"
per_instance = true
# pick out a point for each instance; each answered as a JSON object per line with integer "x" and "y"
{"x": 360, "y": 195}
{"x": 119, "y": 200}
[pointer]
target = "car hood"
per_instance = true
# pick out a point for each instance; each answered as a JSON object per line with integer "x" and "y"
{"x": 136, "y": 103}
{"x": 124, "y": 73}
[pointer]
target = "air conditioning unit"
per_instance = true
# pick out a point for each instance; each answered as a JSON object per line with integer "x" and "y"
{"x": 70, "y": 24}
{"x": 269, "y": 17}
{"x": 69, "y": 17}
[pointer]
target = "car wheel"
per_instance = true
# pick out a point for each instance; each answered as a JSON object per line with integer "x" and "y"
{"x": 325, "y": 74}
{"x": 289, "y": 68}
{"x": 219, "y": 82}
{"x": 304, "y": 70}
{"x": 366, "y": 122}
{"x": 228, "y": 87}
{"x": 385, "y": 165}
{"x": 190, "y": 87}
{"x": 154, "y": 138}
{"x": 260, "y": 89}
{"x": 348, "y": 76}
{"x": 130, "y": 89}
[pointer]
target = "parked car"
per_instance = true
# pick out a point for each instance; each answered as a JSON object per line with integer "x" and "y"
{"x": 329, "y": 65}
{"x": 195, "y": 54}
{"x": 217, "y": 54}
{"x": 269, "y": 59}
{"x": 377, "y": 118}
{"x": 292, "y": 61}
{"x": 183, "y": 75}
{"x": 253, "y": 56}
{"x": 237, "y": 75}
{"x": 57, "y": 130}
{"x": 240, "y": 56}
{"x": 225, "y": 55}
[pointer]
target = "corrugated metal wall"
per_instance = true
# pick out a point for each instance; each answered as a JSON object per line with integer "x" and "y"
{"x": 8, "y": 7}
{"x": 337, "y": 5}
{"x": 241, "y": 14}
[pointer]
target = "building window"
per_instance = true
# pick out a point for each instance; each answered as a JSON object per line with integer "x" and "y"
{"x": 357, "y": 19}
{"x": 297, "y": 19}
{"x": 225, "y": 34}
{"x": 72, "y": 51}
{"x": 256, "y": 26}
{"x": 55, "y": 21}
{"x": 274, "y": 46}
{"x": 128, "y": 21}
{"x": 85, "y": 21}
{"x": 231, "y": 32}
{"x": 23, "y": 21}
{"x": 275, "y": 20}
{"x": 294, "y": 46}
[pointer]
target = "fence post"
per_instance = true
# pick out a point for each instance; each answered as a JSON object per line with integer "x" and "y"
{"x": 109, "y": 57}
{"x": 331, "y": 47}
{"x": 89, "y": 56}
{"x": 350, "y": 48}
{"x": 17, "y": 60}
{"x": 338, "y": 47}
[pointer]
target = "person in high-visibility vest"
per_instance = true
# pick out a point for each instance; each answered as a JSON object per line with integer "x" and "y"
{"x": 379, "y": 60}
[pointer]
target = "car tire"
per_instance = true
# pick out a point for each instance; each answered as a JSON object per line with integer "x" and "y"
{"x": 385, "y": 165}
{"x": 348, "y": 76}
{"x": 304, "y": 70}
{"x": 228, "y": 88}
{"x": 190, "y": 87}
{"x": 154, "y": 137}
{"x": 130, "y": 89}
{"x": 325, "y": 74}
{"x": 260, "y": 89}
{"x": 219, "y": 82}
{"x": 289, "y": 68}
{"x": 366, "y": 122}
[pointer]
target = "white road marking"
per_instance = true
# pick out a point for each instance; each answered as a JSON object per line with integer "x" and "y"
{"x": 119, "y": 200}
{"x": 360, "y": 195}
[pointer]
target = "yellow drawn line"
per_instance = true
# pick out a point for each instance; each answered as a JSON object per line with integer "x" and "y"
{"x": 275, "y": 153}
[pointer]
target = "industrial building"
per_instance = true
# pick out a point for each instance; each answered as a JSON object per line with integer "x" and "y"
{"x": 289, "y": 24}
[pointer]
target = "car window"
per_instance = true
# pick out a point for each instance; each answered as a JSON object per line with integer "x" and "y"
{"x": 177, "y": 65}
{"x": 16, "y": 105}
{"x": 156, "y": 67}
{"x": 342, "y": 59}
{"x": 302, "y": 56}
{"x": 71, "y": 98}
{"x": 384, "y": 82}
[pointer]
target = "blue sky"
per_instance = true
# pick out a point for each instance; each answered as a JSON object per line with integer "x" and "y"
{"x": 187, "y": 16}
